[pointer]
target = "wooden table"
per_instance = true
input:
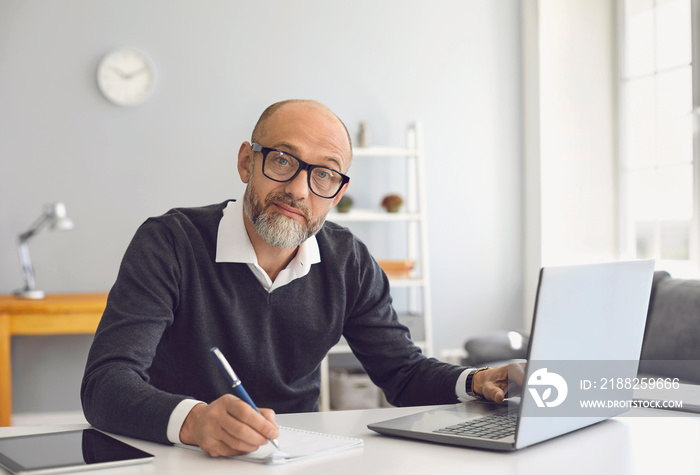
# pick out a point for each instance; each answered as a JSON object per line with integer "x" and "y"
{"x": 57, "y": 314}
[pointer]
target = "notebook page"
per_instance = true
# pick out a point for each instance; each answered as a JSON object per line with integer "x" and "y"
{"x": 297, "y": 444}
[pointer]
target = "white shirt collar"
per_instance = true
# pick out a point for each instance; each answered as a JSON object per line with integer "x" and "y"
{"x": 233, "y": 245}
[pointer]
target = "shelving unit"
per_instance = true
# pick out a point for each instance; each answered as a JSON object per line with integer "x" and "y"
{"x": 416, "y": 285}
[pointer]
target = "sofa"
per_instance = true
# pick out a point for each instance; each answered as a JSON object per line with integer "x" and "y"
{"x": 672, "y": 336}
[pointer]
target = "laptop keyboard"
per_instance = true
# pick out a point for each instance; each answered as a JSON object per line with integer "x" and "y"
{"x": 492, "y": 427}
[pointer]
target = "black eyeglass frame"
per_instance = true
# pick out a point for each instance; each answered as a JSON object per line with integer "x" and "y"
{"x": 302, "y": 166}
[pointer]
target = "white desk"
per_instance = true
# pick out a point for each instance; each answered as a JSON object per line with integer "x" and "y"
{"x": 668, "y": 443}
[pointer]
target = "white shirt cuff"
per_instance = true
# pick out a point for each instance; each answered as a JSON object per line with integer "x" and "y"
{"x": 177, "y": 418}
{"x": 461, "y": 388}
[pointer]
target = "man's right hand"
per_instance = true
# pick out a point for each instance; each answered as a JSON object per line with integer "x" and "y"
{"x": 228, "y": 426}
{"x": 496, "y": 384}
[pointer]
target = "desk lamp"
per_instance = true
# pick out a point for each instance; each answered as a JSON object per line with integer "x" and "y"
{"x": 54, "y": 216}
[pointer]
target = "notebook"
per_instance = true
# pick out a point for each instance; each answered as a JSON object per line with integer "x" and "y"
{"x": 588, "y": 327}
{"x": 689, "y": 394}
{"x": 297, "y": 444}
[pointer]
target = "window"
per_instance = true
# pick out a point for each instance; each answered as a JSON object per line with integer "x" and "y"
{"x": 657, "y": 184}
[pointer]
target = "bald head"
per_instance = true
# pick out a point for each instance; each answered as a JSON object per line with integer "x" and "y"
{"x": 261, "y": 125}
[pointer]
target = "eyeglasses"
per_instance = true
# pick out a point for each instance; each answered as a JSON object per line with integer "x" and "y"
{"x": 282, "y": 167}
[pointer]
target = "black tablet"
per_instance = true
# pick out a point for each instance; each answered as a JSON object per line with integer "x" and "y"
{"x": 70, "y": 451}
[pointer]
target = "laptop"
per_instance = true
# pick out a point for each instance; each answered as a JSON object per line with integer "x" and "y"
{"x": 586, "y": 339}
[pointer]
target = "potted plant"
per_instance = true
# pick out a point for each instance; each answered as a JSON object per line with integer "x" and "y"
{"x": 345, "y": 204}
{"x": 392, "y": 203}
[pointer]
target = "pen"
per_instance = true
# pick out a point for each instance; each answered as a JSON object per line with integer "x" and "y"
{"x": 236, "y": 385}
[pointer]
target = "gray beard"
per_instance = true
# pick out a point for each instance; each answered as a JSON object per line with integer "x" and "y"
{"x": 276, "y": 229}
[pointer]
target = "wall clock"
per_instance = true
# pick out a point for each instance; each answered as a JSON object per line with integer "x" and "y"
{"x": 126, "y": 76}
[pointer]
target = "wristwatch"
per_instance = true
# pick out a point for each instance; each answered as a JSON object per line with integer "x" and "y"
{"x": 468, "y": 384}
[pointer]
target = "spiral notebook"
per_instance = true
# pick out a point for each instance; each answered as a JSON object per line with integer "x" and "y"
{"x": 297, "y": 444}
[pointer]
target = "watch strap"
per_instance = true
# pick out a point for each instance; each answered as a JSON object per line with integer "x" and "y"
{"x": 468, "y": 383}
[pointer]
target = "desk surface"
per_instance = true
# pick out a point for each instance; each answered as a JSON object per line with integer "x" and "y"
{"x": 54, "y": 303}
{"x": 652, "y": 442}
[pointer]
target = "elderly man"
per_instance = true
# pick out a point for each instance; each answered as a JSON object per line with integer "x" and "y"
{"x": 270, "y": 283}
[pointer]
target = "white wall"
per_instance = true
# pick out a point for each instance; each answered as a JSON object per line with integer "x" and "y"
{"x": 578, "y": 126}
{"x": 454, "y": 64}
{"x": 570, "y": 137}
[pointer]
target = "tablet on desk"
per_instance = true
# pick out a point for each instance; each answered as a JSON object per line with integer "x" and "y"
{"x": 70, "y": 451}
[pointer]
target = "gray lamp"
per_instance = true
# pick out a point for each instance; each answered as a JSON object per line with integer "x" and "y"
{"x": 54, "y": 216}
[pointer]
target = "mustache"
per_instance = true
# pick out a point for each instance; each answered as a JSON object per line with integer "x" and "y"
{"x": 286, "y": 200}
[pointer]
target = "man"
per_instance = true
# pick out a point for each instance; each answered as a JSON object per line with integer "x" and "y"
{"x": 273, "y": 287}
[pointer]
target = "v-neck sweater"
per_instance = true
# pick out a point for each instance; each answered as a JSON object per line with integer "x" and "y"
{"x": 172, "y": 302}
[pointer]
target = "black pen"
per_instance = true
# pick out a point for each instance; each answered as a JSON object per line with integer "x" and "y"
{"x": 236, "y": 385}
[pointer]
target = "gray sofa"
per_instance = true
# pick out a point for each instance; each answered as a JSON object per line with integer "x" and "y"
{"x": 672, "y": 336}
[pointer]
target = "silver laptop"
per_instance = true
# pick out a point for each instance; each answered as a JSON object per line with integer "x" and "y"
{"x": 585, "y": 344}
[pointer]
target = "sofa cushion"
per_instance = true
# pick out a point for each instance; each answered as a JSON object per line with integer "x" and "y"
{"x": 496, "y": 348}
{"x": 672, "y": 337}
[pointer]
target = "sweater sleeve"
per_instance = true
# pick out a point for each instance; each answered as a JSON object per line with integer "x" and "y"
{"x": 385, "y": 349}
{"x": 115, "y": 392}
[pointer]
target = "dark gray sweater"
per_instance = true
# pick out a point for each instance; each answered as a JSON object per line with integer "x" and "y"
{"x": 172, "y": 302}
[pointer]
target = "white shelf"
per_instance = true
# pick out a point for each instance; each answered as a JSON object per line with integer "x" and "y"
{"x": 383, "y": 152}
{"x": 372, "y": 215}
{"x": 418, "y": 317}
{"x": 340, "y": 349}
{"x": 406, "y": 281}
